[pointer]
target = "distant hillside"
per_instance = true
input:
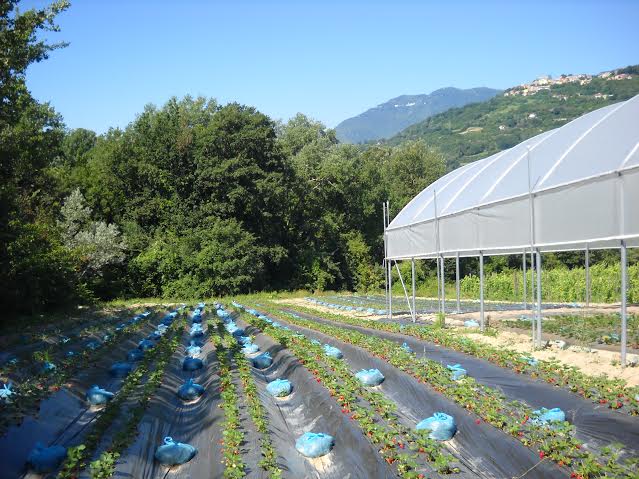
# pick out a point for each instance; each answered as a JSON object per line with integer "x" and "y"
{"x": 391, "y": 117}
{"x": 475, "y": 131}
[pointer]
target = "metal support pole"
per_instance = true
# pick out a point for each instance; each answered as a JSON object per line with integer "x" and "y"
{"x": 532, "y": 297}
{"x": 533, "y": 273}
{"x": 457, "y": 281}
{"x": 525, "y": 285}
{"x": 587, "y": 276}
{"x": 412, "y": 275}
{"x": 481, "y": 290}
{"x": 538, "y": 298}
{"x": 401, "y": 279}
{"x": 443, "y": 286}
{"x": 390, "y": 270}
{"x": 439, "y": 286}
{"x": 390, "y": 289}
{"x": 624, "y": 293}
{"x": 384, "y": 263}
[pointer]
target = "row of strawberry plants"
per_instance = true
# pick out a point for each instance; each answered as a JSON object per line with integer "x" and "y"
{"x": 614, "y": 393}
{"x": 32, "y": 330}
{"x": 255, "y": 408}
{"x": 144, "y": 380}
{"x": 375, "y": 415}
{"x": 27, "y": 395}
{"x": 556, "y": 443}
{"x": 232, "y": 434}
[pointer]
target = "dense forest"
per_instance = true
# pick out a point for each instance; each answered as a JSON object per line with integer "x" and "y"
{"x": 192, "y": 199}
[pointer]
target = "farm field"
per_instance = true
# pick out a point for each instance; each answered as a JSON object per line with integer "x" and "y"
{"x": 258, "y": 388}
{"x": 376, "y": 304}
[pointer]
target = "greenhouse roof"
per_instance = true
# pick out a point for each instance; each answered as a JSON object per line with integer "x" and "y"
{"x": 566, "y": 189}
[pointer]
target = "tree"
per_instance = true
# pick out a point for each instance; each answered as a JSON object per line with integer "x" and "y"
{"x": 412, "y": 167}
{"x": 217, "y": 258}
{"x": 76, "y": 146}
{"x": 30, "y": 135}
{"x": 97, "y": 244}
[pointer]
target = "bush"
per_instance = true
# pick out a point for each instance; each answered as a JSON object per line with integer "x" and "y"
{"x": 40, "y": 270}
{"x": 558, "y": 285}
{"x": 217, "y": 259}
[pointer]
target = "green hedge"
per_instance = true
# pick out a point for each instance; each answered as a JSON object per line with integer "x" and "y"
{"x": 563, "y": 285}
{"x": 558, "y": 285}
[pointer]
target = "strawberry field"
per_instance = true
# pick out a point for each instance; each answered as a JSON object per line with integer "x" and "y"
{"x": 274, "y": 390}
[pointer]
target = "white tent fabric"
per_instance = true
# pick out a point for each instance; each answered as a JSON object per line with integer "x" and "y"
{"x": 566, "y": 189}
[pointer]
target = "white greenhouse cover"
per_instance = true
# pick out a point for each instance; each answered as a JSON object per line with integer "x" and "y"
{"x": 566, "y": 189}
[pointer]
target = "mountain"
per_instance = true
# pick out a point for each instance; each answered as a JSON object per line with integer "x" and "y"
{"x": 391, "y": 117}
{"x": 478, "y": 130}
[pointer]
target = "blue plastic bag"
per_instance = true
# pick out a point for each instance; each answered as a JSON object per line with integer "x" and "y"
{"x": 48, "y": 367}
{"x": 97, "y": 395}
{"x": 471, "y": 323}
{"x": 442, "y": 427}
{"x": 193, "y": 351}
{"x": 190, "y": 390}
{"x": 173, "y": 453}
{"x": 279, "y": 387}
{"x": 370, "y": 377}
{"x": 120, "y": 370}
{"x": 146, "y": 344}
{"x": 457, "y": 372}
{"x": 530, "y": 360}
{"x": 238, "y": 332}
{"x": 250, "y": 348}
{"x": 46, "y": 459}
{"x": 406, "y": 348}
{"x": 6, "y": 392}
{"x": 312, "y": 444}
{"x": 548, "y": 416}
{"x": 244, "y": 340}
{"x": 135, "y": 355}
{"x": 332, "y": 351}
{"x": 262, "y": 361}
{"x": 192, "y": 364}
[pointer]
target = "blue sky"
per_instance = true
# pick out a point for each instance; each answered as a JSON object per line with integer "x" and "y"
{"x": 327, "y": 59}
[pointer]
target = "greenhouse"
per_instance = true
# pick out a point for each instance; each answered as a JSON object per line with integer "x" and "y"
{"x": 575, "y": 188}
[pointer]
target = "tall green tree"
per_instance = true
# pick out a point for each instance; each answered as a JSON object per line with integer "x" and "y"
{"x": 33, "y": 267}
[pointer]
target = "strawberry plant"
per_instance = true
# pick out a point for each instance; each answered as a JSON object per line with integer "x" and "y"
{"x": 615, "y": 393}
{"x": 374, "y": 414}
{"x": 557, "y": 442}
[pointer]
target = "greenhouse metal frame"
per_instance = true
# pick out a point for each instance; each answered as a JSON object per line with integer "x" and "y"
{"x": 574, "y": 188}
